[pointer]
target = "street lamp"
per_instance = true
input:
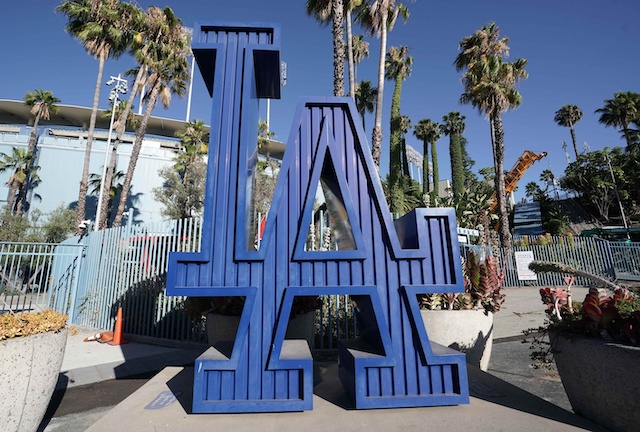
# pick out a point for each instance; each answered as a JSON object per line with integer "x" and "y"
{"x": 121, "y": 86}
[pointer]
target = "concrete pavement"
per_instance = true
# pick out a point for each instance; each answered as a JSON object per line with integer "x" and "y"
{"x": 495, "y": 404}
{"x": 90, "y": 362}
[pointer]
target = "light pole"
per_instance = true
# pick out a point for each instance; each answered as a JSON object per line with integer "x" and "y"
{"x": 121, "y": 86}
{"x": 615, "y": 188}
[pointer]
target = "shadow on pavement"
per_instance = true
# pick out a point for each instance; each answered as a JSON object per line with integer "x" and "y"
{"x": 494, "y": 390}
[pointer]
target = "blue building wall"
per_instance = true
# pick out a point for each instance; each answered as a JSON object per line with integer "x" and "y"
{"x": 61, "y": 160}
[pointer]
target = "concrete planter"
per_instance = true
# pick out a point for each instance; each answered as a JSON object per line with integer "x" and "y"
{"x": 224, "y": 327}
{"x": 600, "y": 379}
{"x": 468, "y": 331}
{"x": 28, "y": 376}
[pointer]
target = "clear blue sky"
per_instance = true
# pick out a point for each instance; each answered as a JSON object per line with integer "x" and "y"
{"x": 579, "y": 52}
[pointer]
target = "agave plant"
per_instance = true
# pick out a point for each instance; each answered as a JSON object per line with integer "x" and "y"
{"x": 482, "y": 284}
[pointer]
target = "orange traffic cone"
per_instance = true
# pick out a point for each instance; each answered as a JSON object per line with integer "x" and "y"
{"x": 118, "y": 339}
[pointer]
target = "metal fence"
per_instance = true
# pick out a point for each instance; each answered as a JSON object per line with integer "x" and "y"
{"x": 36, "y": 276}
{"x": 92, "y": 276}
{"x": 626, "y": 260}
{"x": 126, "y": 267}
{"x": 585, "y": 253}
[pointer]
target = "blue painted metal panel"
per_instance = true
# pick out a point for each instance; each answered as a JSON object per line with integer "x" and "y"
{"x": 392, "y": 363}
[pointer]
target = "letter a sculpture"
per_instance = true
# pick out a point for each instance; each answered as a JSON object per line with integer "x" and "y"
{"x": 381, "y": 264}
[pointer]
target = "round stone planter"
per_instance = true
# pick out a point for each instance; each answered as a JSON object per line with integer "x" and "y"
{"x": 224, "y": 327}
{"x": 468, "y": 331}
{"x": 28, "y": 376}
{"x": 601, "y": 379}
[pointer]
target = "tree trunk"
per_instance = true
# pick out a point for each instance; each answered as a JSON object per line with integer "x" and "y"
{"x": 376, "y": 136}
{"x": 425, "y": 173}
{"x": 457, "y": 169}
{"x": 135, "y": 152}
{"x": 31, "y": 149}
{"x": 627, "y": 135}
{"x": 498, "y": 164}
{"x": 113, "y": 159}
{"x": 33, "y": 137}
{"x": 338, "y": 48}
{"x": 573, "y": 138}
{"x": 436, "y": 175}
{"x": 13, "y": 190}
{"x": 84, "y": 185}
{"x": 352, "y": 69}
{"x": 21, "y": 191}
{"x": 395, "y": 149}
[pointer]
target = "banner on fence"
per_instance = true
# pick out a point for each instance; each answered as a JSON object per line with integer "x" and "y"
{"x": 523, "y": 258}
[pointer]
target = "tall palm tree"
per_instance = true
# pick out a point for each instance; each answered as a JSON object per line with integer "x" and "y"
{"x": 332, "y": 11}
{"x": 397, "y": 68}
{"x": 100, "y": 27}
{"x": 365, "y": 98}
{"x": 453, "y": 125}
{"x": 360, "y": 49}
{"x": 42, "y": 104}
{"x": 144, "y": 34}
{"x": 620, "y": 112}
{"x": 489, "y": 85}
{"x": 168, "y": 72}
{"x": 349, "y": 6}
{"x": 20, "y": 163}
{"x": 379, "y": 17}
{"x": 568, "y": 116}
{"x": 429, "y": 133}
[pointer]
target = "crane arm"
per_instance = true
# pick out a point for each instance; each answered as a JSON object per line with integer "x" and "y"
{"x": 512, "y": 178}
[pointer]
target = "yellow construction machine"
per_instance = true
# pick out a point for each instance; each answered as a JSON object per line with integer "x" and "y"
{"x": 512, "y": 178}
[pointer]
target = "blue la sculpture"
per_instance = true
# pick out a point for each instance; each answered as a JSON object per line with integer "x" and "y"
{"x": 382, "y": 264}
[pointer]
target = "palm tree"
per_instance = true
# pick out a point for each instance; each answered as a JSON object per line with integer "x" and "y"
{"x": 332, "y": 11}
{"x": 22, "y": 171}
{"x": 533, "y": 190}
{"x": 168, "y": 72}
{"x": 360, "y": 49}
{"x": 568, "y": 116}
{"x": 453, "y": 125}
{"x": 42, "y": 104}
{"x": 620, "y": 112}
{"x": 194, "y": 140}
{"x": 349, "y": 6}
{"x": 365, "y": 97}
{"x": 397, "y": 68}
{"x": 131, "y": 121}
{"x": 143, "y": 37}
{"x": 429, "y": 132}
{"x": 379, "y": 17}
{"x": 102, "y": 28}
{"x": 489, "y": 85}
{"x": 547, "y": 177}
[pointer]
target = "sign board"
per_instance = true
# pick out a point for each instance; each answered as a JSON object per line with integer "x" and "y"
{"x": 523, "y": 258}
